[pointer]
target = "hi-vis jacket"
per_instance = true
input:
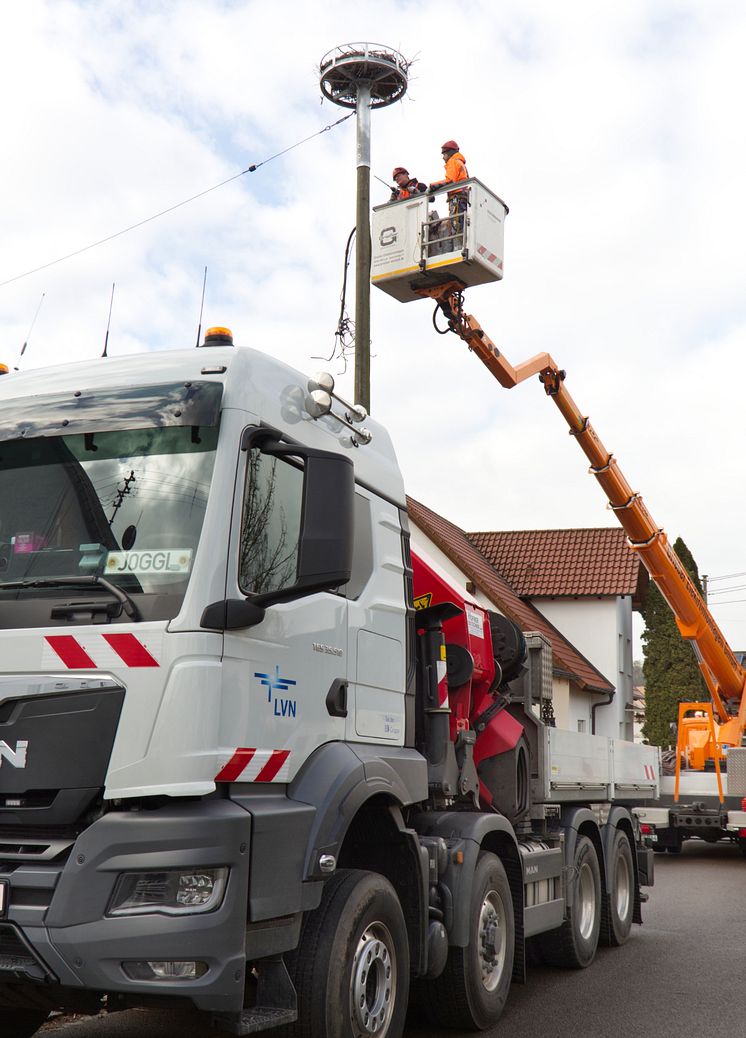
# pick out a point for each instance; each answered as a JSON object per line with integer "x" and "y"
{"x": 455, "y": 170}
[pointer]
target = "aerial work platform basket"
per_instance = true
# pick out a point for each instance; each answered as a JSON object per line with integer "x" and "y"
{"x": 430, "y": 239}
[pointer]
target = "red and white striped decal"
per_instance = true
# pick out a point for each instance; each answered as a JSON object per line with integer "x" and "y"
{"x": 650, "y": 772}
{"x": 95, "y": 653}
{"x": 489, "y": 256}
{"x": 251, "y": 765}
{"x": 442, "y": 675}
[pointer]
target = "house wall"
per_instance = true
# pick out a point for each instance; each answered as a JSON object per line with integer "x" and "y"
{"x": 601, "y": 629}
{"x": 561, "y": 696}
{"x": 569, "y": 703}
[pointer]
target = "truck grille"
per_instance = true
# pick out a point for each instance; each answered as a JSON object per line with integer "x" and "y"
{"x": 18, "y": 844}
{"x": 17, "y": 957}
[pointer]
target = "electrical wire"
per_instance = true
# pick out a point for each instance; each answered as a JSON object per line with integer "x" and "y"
{"x": 344, "y": 336}
{"x": 726, "y": 576}
{"x": 164, "y": 212}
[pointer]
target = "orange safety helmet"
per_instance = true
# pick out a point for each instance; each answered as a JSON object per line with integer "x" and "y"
{"x": 398, "y": 170}
{"x": 449, "y": 146}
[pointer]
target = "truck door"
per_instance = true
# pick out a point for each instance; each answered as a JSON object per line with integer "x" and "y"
{"x": 284, "y": 680}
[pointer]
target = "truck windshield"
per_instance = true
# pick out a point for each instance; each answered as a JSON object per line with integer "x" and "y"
{"x": 125, "y": 505}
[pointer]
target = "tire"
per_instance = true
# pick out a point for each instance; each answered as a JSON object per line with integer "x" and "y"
{"x": 351, "y": 967}
{"x": 574, "y": 944}
{"x": 741, "y": 841}
{"x": 21, "y": 1023}
{"x": 619, "y": 903}
{"x": 471, "y": 992}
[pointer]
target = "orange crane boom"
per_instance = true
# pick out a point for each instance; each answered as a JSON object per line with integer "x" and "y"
{"x": 724, "y": 676}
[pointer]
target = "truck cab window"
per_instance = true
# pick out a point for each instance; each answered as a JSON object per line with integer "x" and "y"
{"x": 270, "y": 524}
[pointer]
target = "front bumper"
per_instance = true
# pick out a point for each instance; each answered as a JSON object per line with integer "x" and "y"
{"x": 70, "y": 942}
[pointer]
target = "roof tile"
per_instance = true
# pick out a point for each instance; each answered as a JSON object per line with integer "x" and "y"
{"x": 541, "y": 563}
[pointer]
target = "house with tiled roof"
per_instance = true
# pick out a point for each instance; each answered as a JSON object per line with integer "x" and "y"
{"x": 578, "y": 685}
{"x": 587, "y": 584}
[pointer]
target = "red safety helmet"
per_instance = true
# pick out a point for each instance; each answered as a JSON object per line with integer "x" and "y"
{"x": 449, "y": 146}
{"x": 398, "y": 170}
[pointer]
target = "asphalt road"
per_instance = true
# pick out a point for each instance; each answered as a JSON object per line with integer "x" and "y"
{"x": 681, "y": 973}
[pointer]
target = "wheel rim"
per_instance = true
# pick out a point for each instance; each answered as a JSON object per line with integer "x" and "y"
{"x": 623, "y": 887}
{"x": 373, "y": 991}
{"x": 492, "y": 928}
{"x": 586, "y": 894}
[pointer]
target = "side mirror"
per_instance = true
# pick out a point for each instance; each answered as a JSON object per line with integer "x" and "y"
{"x": 326, "y": 536}
{"x": 327, "y": 529}
{"x": 232, "y": 614}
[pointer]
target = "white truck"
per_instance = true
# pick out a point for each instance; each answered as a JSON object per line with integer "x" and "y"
{"x": 238, "y": 770}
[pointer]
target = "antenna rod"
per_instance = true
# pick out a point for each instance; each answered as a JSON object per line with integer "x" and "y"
{"x": 108, "y": 323}
{"x": 28, "y": 336}
{"x": 201, "y": 308}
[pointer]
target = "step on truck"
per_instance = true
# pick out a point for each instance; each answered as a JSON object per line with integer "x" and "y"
{"x": 239, "y": 771}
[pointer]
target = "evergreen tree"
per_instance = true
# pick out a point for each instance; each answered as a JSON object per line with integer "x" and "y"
{"x": 670, "y": 666}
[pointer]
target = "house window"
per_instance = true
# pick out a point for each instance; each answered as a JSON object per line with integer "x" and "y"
{"x": 581, "y": 726}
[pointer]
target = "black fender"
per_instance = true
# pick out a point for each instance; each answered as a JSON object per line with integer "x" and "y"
{"x": 572, "y": 820}
{"x": 339, "y": 778}
{"x": 361, "y": 790}
{"x": 620, "y": 818}
{"x": 465, "y": 832}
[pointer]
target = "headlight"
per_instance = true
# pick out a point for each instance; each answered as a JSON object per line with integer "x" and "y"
{"x": 171, "y": 892}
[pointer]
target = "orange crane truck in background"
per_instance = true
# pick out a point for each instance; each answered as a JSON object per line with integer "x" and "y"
{"x": 411, "y": 260}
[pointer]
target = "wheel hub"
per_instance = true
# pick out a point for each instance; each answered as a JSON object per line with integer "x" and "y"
{"x": 491, "y": 940}
{"x": 373, "y": 990}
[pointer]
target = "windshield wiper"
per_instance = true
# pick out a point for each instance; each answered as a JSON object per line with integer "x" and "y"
{"x": 126, "y": 601}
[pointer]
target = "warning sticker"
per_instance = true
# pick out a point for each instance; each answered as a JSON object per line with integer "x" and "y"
{"x": 475, "y": 623}
{"x": 423, "y": 601}
{"x": 161, "y": 561}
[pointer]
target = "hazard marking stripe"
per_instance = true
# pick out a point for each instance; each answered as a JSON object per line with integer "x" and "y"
{"x": 132, "y": 651}
{"x": 489, "y": 256}
{"x": 94, "y": 651}
{"x": 273, "y": 765}
{"x": 235, "y": 765}
{"x": 251, "y": 765}
{"x": 71, "y": 652}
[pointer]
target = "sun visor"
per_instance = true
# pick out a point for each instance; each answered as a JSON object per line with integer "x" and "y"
{"x": 112, "y": 407}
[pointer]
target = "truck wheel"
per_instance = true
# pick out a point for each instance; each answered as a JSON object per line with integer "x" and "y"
{"x": 472, "y": 990}
{"x": 21, "y": 1023}
{"x": 619, "y": 904}
{"x": 574, "y": 944}
{"x": 742, "y": 845}
{"x": 351, "y": 967}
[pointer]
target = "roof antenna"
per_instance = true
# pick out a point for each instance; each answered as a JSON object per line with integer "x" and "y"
{"x": 28, "y": 336}
{"x": 108, "y": 323}
{"x": 201, "y": 308}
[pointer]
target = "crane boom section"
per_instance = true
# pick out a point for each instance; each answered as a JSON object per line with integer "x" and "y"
{"x": 724, "y": 676}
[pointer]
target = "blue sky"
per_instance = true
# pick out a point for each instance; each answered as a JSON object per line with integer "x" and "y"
{"x": 615, "y": 135}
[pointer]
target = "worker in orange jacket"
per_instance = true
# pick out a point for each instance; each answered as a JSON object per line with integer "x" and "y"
{"x": 406, "y": 186}
{"x": 455, "y": 165}
{"x": 455, "y": 169}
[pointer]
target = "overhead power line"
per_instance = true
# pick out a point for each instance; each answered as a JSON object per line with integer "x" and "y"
{"x": 727, "y": 576}
{"x": 177, "y": 205}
